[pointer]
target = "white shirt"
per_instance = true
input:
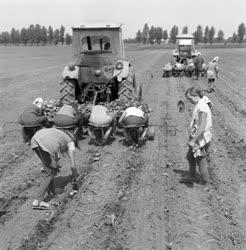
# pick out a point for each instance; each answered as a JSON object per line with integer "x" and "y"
{"x": 133, "y": 111}
{"x": 202, "y": 106}
{"x": 213, "y": 69}
{"x": 99, "y": 116}
{"x": 54, "y": 141}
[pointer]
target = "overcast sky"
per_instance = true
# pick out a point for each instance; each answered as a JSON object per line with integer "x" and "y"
{"x": 222, "y": 14}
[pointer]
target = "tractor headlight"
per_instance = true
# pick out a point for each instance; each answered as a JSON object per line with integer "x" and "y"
{"x": 119, "y": 65}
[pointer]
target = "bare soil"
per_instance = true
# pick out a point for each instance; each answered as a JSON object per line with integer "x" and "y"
{"x": 129, "y": 199}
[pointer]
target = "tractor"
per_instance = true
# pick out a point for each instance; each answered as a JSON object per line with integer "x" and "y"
{"x": 185, "y": 48}
{"x": 183, "y": 55}
{"x": 99, "y": 71}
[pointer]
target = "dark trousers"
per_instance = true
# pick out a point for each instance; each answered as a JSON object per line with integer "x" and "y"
{"x": 51, "y": 168}
{"x": 197, "y": 72}
{"x": 200, "y": 161}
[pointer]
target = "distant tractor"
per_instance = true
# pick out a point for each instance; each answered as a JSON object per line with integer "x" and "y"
{"x": 99, "y": 71}
{"x": 185, "y": 48}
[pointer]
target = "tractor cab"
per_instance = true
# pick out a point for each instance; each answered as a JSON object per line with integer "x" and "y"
{"x": 95, "y": 46}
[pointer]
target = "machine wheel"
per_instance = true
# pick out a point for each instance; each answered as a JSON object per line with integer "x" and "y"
{"x": 67, "y": 90}
{"x": 151, "y": 133}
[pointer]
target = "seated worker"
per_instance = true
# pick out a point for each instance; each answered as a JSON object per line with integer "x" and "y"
{"x": 133, "y": 117}
{"x": 32, "y": 119}
{"x": 67, "y": 116}
{"x": 48, "y": 143}
{"x": 100, "y": 117}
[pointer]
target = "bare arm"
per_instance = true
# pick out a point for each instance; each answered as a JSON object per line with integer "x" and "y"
{"x": 71, "y": 154}
{"x": 122, "y": 117}
{"x": 217, "y": 71}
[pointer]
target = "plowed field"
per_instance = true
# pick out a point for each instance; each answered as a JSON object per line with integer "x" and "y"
{"x": 129, "y": 199}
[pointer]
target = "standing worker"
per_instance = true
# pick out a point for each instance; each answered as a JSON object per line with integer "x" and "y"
{"x": 198, "y": 62}
{"x": 212, "y": 73}
{"x": 49, "y": 143}
{"x": 200, "y": 135}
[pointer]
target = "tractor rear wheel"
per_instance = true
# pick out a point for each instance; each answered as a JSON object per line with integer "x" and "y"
{"x": 67, "y": 90}
{"x": 129, "y": 89}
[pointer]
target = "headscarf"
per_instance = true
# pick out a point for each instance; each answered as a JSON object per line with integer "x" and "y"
{"x": 39, "y": 102}
{"x": 216, "y": 59}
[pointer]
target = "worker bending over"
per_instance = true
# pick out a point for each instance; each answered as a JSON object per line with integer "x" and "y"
{"x": 49, "y": 144}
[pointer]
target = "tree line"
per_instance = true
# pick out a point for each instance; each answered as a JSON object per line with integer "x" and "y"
{"x": 36, "y": 35}
{"x": 208, "y": 35}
